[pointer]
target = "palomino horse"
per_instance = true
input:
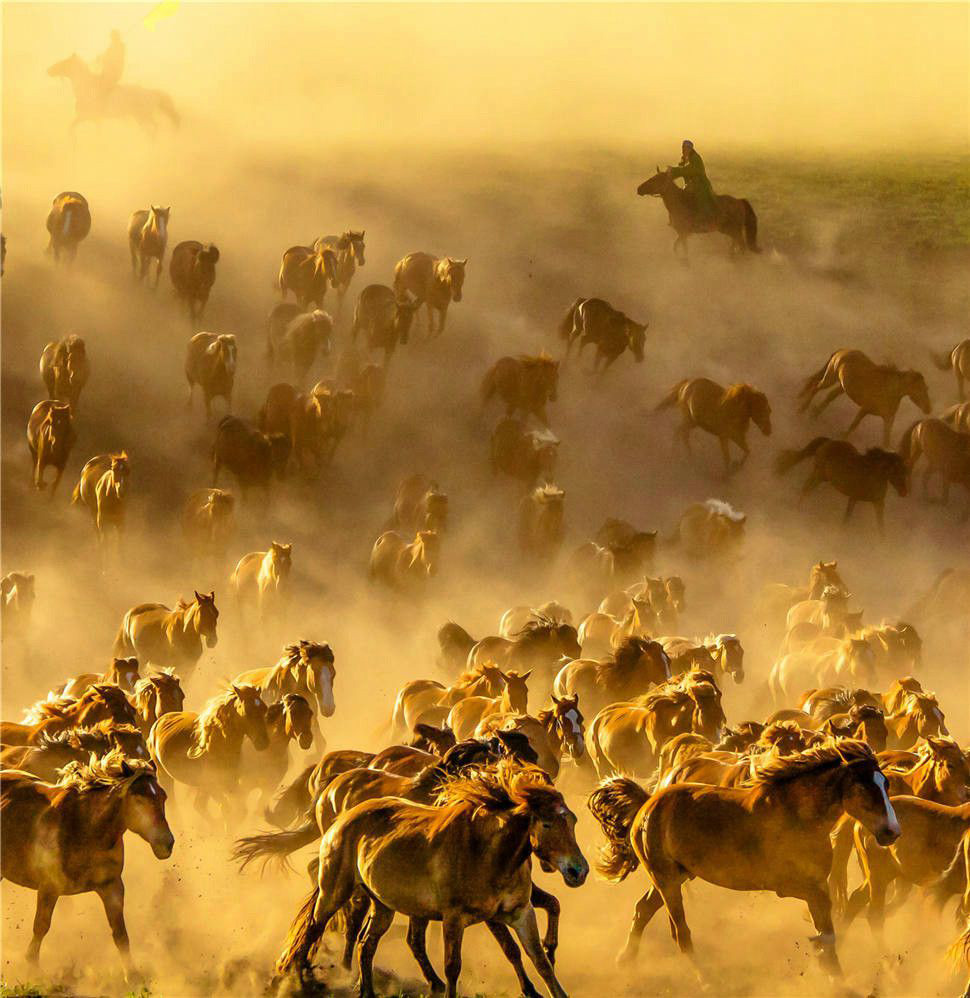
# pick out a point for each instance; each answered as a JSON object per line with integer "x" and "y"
{"x": 947, "y": 453}
{"x": 524, "y": 383}
{"x": 94, "y": 102}
{"x": 719, "y": 653}
{"x": 636, "y": 665}
{"x": 402, "y": 566}
{"x": 210, "y": 363}
{"x": 419, "y": 505}
{"x": 263, "y": 578}
{"x": 103, "y": 489}
{"x": 289, "y": 720}
{"x": 744, "y": 838}
{"x": 428, "y": 700}
{"x": 204, "y": 750}
{"x": 155, "y": 695}
{"x": 100, "y": 702}
{"x": 169, "y": 638}
{"x": 734, "y": 217}
{"x": 68, "y": 222}
{"x": 467, "y": 714}
{"x": 147, "y": 239}
{"x": 859, "y": 477}
{"x": 540, "y": 526}
{"x": 306, "y": 271}
{"x": 540, "y": 644}
{"x": 957, "y": 361}
{"x": 123, "y": 672}
{"x": 65, "y": 369}
{"x": 471, "y": 855}
{"x": 349, "y": 248}
{"x": 601, "y": 634}
{"x": 723, "y": 412}
{"x": 50, "y": 437}
{"x": 877, "y": 389}
{"x": 55, "y": 751}
{"x": 433, "y": 282}
{"x": 67, "y": 838}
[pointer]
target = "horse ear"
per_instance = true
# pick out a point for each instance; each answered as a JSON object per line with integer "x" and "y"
{"x": 212, "y": 595}
{"x": 197, "y": 594}
{"x": 658, "y": 169}
{"x": 525, "y": 675}
{"x": 555, "y": 699}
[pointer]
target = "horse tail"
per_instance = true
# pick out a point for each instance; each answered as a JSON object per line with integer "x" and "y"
{"x": 954, "y": 879}
{"x": 750, "y": 226}
{"x": 568, "y": 323}
{"x": 811, "y": 385}
{"x": 787, "y": 459}
{"x": 167, "y": 106}
{"x": 615, "y": 804}
{"x": 301, "y": 935}
{"x": 671, "y": 398}
{"x": 943, "y": 361}
{"x": 292, "y": 801}
{"x": 274, "y": 846}
{"x": 910, "y": 446}
{"x": 123, "y": 646}
{"x": 959, "y": 952}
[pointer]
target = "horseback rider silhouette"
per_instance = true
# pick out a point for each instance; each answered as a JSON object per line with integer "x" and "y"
{"x": 111, "y": 63}
{"x": 696, "y": 184}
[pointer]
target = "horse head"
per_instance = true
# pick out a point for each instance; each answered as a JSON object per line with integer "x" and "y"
{"x": 298, "y": 720}
{"x": 356, "y": 242}
{"x": 208, "y": 615}
{"x": 251, "y": 709}
{"x": 567, "y": 725}
{"x": 917, "y": 390}
{"x": 451, "y": 272}
{"x": 656, "y": 185}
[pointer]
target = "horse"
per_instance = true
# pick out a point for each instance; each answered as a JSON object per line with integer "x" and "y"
{"x": 94, "y": 102}
{"x": 958, "y": 416}
{"x": 733, "y": 217}
{"x": 540, "y": 644}
{"x": 419, "y": 697}
{"x": 433, "y": 282}
{"x": 527, "y": 455}
{"x": 524, "y": 383}
{"x": 50, "y": 438}
{"x": 53, "y": 752}
{"x": 830, "y": 662}
{"x": 155, "y": 695}
{"x": 100, "y": 702}
{"x": 598, "y": 566}
{"x": 123, "y": 672}
{"x": 957, "y": 361}
{"x": 464, "y": 718}
{"x": 103, "y": 489}
{"x": 349, "y": 248}
{"x": 66, "y": 838}
{"x": 540, "y": 528}
{"x": 897, "y": 648}
{"x": 209, "y": 522}
{"x": 829, "y": 612}
{"x": 306, "y": 271}
{"x": 947, "y": 453}
{"x": 517, "y": 618}
{"x": 290, "y": 719}
{"x": 777, "y": 598}
{"x": 592, "y": 320}
{"x": 338, "y": 406}
{"x": 637, "y": 664}
{"x": 405, "y": 567}
{"x": 192, "y": 269}
{"x": 204, "y": 750}
{"x": 65, "y": 369}
{"x": 936, "y": 770}
{"x": 718, "y": 653}
{"x": 306, "y": 668}
{"x": 253, "y": 457}
{"x": 68, "y": 223}
{"x": 384, "y": 318}
{"x": 859, "y": 477}
{"x": 481, "y": 835}
{"x": 169, "y": 638}
{"x": 419, "y": 505}
{"x": 263, "y": 578}
{"x": 210, "y": 363}
{"x": 878, "y": 389}
{"x": 147, "y": 239}
{"x": 723, "y": 412}
{"x": 601, "y": 633}
{"x": 299, "y": 339}
{"x": 772, "y": 836}
{"x": 710, "y": 530}
{"x": 917, "y": 716}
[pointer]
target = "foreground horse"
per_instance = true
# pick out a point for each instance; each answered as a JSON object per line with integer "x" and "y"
{"x": 433, "y": 282}
{"x": 147, "y": 239}
{"x": 468, "y": 860}
{"x": 773, "y": 836}
{"x": 734, "y": 217}
{"x": 50, "y": 437}
{"x": 100, "y": 702}
{"x": 306, "y": 668}
{"x": 68, "y": 223}
{"x": 67, "y": 838}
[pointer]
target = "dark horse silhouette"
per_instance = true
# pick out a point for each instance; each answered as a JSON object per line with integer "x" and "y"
{"x": 734, "y": 217}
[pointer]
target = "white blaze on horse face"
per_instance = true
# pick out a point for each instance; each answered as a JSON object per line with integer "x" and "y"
{"x": 573, "y": 718}
{"x": 66, "y": 226}
{"x": 325, "y": 691}
{"x": 891, "y": 822}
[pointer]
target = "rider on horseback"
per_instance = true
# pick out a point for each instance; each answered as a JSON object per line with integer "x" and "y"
{"x": 112, "y": 63}
{"x": 696, "y": 184}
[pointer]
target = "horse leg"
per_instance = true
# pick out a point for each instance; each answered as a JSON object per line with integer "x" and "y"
{"x": 550, "y": 904}
{"x": 507, "y": 944}
{"x": 813, "y": 481}
{"x": 355, "y": 911}
{"x": 379, "y": 922}
{"x": 42, "y": 923}
{"x": 158, "y": 272}
{"x": 683, "y": 433}
{"x": 134, "y": 262}
{"x": 646, "y": 908}
{"x": 880, "y": 507}
{"x": 113, "y": 898}
{"x": 849, "y": 507}
{"x": 453, "y": 931}
{"x": 820, "y": 907}
{"x": 527, "y": 930}
{"x": 417, "y": 929}
{"x": 726, "y": 454}
{"x": 827, "y": 401}
{"x": 859, "y": 417}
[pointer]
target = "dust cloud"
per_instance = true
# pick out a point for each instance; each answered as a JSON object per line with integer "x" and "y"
{"x": 514, "y": 135}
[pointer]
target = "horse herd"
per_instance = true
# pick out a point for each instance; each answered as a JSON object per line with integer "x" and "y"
{"x": 480, "y": 767}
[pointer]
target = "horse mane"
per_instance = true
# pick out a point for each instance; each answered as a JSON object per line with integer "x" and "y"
{"x": 722, "y": 508}
{"x": 537, "y": 623}
{"x": 506, "y": 787}
{"x": 212, "y": 718}
{"x": 53, "y": 705}
{"x": 832, "y": 753}
{"x": 113, "y": 771}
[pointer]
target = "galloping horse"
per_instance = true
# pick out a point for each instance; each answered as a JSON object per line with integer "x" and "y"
{"x": 734, "y": 217}
{"x": 92, "y": 102}
{"x": 349, "y": 248}
{"x": 147, "y": 239}
{"x": 103, "y": 489}
{"x": 100, "y": 702}
{"x": 67, "y": 838}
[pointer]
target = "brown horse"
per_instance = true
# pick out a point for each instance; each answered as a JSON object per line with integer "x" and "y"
{"x": 419, "y": 505}
{"x": 468, "y": 713}
{"x": 918, "y": 715}
{"x": 527, "y": 455}
{"x": 169, "y": 638}
{"x": 68, "y": 223}
{"x": 937, "y": 770}
{"x": 481, "y": 836}
{"x": 299, "y": 340}
{"x": 525, "y": 384}
{"x": 710, "y": 530}
{"x": 772, "y": 836}
{"x": 947, "y": 453}
{"x": 718, "y": 653}
{"x": 306, "y": 668}
{"x": 54, "y": 751}
{"x": 210, "y": 363}
{"x": 723, "y": 412}
{"x": 289, "y": 720}
{"x": 209, "y": 522}
{"x": 147, "y": 239}
{"x": 540, "y": 644}
{"x": 958, "y": 416}
{"x": 878, "y": 389}
{"x": 65, "y": 369}
{"x": 540, "y": 528}
{"x": 957, "y": 361}
{"x": 155, "y": 695}
{"x": 204, "y": 750}
{"x": 402, "y": 566}
{"x": 339, "y": 406}
{"x": 66, "y": 838}
{"x": 434, "y": 282}
{"x": 50, "y": 437}
{"x": 103, "y": 489}
{"x": 384, "y": 319}
{"x": 636, "y": 665}
{"x": 517, "y": 618}
{"x": 306, "y": 271}
{"x": 592, "y": 320}
{"x": 777, "y": 598}
{"x": 349, "y": 249}
{"x": 552, "y": 734}
{"x": 101, "y": 702}
{"x": 859, "y": 477}
{"x": 262, "y": 578}
{"x": 733, "y": 217}
{"x": 192, "y": 269}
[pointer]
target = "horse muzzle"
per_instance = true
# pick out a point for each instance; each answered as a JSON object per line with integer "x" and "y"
{"x": 888, "y": 834}
{"x": 163, "y": 845}
{"x": 211, "y": 640}
{"x": 306, "y": 740}
{"x": 574, "y": 872}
